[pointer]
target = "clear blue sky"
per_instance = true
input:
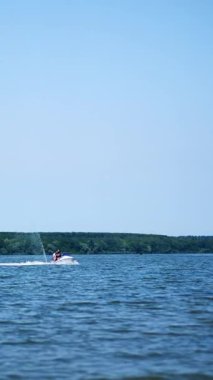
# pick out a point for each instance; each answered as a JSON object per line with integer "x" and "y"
{"x": 106, "y": 116}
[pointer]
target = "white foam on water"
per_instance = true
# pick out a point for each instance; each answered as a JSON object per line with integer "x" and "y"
{"x": 26, "y": 263}
{"x": 35, "y": 263}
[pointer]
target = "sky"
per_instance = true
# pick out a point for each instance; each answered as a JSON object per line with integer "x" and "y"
{"x": 106, "y": 121}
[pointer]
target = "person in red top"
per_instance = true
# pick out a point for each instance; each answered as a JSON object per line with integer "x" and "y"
{"x": 57, "y": 255}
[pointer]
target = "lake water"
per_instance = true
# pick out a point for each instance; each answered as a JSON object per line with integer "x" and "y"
{"x": 111, "y": 317}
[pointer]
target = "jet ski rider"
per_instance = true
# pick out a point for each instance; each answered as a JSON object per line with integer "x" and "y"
{"x": 57, "y": 255}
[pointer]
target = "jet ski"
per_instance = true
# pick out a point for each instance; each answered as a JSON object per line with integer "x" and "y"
{"x": 67, "y": 260}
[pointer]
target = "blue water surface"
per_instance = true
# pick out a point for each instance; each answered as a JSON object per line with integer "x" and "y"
{"x": 111, "y": 317}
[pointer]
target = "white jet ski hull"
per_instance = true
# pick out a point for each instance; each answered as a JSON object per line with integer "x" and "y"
{"x": 67, "y": 260}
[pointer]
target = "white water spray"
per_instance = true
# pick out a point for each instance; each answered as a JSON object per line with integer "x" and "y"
{"x": 42, "y": 247}
{"x": 36, "y": 240}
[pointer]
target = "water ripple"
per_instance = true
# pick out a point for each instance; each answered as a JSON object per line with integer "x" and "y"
{"x": 119, "y": 317}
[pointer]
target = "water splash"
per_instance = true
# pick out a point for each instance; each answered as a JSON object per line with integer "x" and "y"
{"x": 42, "y": 247}
{"x": 35, "y": 263}
{"x": 37, "y": 242}
{"x": 26, "y": 263}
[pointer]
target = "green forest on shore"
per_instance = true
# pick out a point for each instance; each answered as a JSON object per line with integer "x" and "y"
{"x": 98, "y": 243}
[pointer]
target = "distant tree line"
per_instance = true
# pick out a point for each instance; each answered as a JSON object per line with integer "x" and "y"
{"x": 97, "y": 243}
